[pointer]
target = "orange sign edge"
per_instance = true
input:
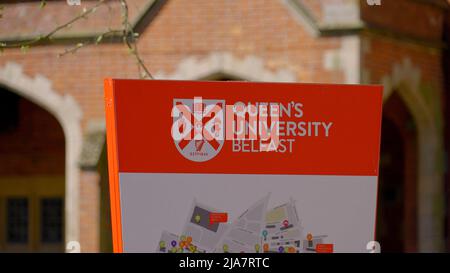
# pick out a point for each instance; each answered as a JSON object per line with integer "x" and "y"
{"x": 113, "y": 165}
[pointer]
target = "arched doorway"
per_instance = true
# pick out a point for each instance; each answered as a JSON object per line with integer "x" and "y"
{"x": 397, "y": 193}
{"x": 32, "y": 177}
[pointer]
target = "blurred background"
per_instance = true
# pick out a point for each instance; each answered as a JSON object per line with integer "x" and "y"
{"x": 53, "y": 169}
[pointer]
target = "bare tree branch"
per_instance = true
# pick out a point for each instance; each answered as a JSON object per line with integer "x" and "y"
{"x": 80, "y": 45}
{"x": 129, "y": 39}
{"x": 49, "y": 35}
{"x": 127, "y": 34}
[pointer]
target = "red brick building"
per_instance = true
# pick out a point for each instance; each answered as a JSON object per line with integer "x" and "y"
{"x": 53, "y": 183}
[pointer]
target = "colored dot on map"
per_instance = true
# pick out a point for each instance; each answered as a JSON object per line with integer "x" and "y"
{"x": 173, "y": 243}
{"x": 257, "y": 247}
{"x": 285, "y": 223}
{"x": 266, "y": 247}
{"x": 309, "y": 237}
{"x": 225, "y": 248}
{"x": 281, "y": 249}
{"x": 197, "y": 218}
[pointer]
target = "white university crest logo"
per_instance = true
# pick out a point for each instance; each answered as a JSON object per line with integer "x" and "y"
{"x": 198, "y": 127}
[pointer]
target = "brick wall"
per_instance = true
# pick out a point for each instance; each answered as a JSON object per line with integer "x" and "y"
{"x": 391, "y": 42}
{"x": 89, "y": 211}
{"x": 34, "y": 142}
{"x": 446, "y": 66}
{"x": 392, "y": 39}
{"x": 265, "y": 29}
{"x": 414, "y": 18}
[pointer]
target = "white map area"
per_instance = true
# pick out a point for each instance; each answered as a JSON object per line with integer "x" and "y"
{"x": 324, "y": 207}
{"x": 204, "y": 235}
{"x": 254, "y": 231}
{"x": 244, "y": 234}
{"x": 282, "y": 231}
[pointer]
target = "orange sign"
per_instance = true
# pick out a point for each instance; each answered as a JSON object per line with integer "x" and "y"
{"x": 218, "y": 217}
{"x": 179, "y": 151}
{"x": 324, "y": 248}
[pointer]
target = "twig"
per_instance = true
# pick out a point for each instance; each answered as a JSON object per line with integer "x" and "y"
{"x": 49, "y": 35}
{"x": 80, "y": 45}
{"x": 129, "y": 39}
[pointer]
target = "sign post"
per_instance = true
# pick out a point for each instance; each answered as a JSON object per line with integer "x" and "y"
{"x": 242, "y": 167}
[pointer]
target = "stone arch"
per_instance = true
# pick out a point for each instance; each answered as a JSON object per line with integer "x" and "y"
{"x": 250, "y": 68}
{"x": 66, "y": 110}
{"x": 406, "y": 80}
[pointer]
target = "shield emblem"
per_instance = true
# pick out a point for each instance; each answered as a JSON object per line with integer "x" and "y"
{"x": 199, "y": 127}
